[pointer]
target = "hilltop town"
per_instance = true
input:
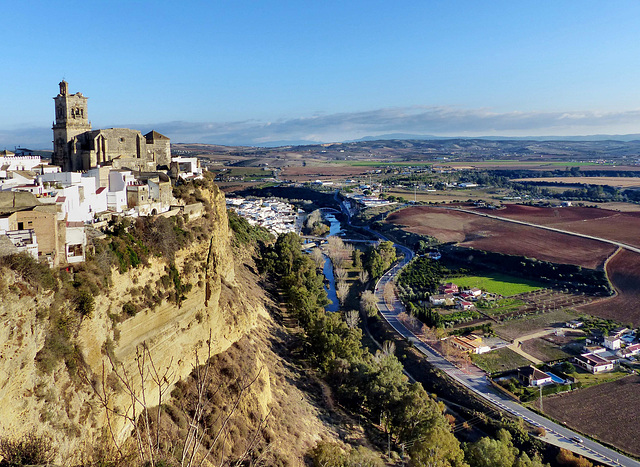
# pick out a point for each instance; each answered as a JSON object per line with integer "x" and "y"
{"x": 49, "y": 209}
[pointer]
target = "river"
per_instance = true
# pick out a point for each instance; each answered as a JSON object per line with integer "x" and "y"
{"x": 334, "y": 229}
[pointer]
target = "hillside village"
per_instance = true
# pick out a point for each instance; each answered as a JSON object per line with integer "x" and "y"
{"x": 48, "y": 212}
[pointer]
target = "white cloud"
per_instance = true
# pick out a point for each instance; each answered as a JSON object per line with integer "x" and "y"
{"x": 439, "y": 121}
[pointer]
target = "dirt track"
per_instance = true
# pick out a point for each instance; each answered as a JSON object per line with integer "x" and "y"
{"x": 502, "y": 237}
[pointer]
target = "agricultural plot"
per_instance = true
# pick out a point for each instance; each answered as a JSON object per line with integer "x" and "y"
{"x": 512, "y": 329}
{"x": 621, "y": 182}
{"x": 484, "y": 233}
{"x": 623, "y": 271}
{"x": 322, "y": 172}
{"x": 608, "y": 412}
{"x": 544, "y": 350}
{"x": 500, "y": 284}
{"x": 503, "y": 359}
{"x": 604, "y": 223}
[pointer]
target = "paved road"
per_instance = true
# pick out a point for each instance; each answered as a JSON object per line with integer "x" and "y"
{"x": 478, "y": 383}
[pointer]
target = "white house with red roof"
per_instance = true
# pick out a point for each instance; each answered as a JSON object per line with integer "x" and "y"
{"x": 449, "y": 287}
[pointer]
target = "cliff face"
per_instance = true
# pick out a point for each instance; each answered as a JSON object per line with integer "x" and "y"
{"x": 67, "y": 407}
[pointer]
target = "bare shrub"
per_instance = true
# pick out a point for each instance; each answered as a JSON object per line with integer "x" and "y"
{"x": 363, "y": 276}
{"x": 317, "y": 257}
{"x": 340, "y": 274}
{"x": 31, "y": 448}
{"x": 352, "y": 318}
{"x": 342, "y": 288}
{"x": 368, "y": 303}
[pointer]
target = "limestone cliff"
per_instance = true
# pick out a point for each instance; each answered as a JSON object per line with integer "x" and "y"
{"x": 65, "y": 406}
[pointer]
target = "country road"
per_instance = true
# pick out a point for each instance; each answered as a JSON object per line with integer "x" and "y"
{"x": 477, "y": 381}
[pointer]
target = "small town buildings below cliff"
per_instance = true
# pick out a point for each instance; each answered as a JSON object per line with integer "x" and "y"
{"x": 275, "y": 216}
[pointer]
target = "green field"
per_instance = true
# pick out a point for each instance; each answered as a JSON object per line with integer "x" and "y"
{"x": 501, "y": 284}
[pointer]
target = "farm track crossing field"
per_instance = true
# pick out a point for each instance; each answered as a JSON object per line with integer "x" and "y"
{"x": 502, "y": 237}
{"x": 608, "y": 412}
{"x": 501, "y": 284}
{"x": 623, "y": 271}
{"x": 604, "y": 223}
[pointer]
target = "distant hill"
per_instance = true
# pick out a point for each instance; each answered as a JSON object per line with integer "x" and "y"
{"x": 404, "y": 136}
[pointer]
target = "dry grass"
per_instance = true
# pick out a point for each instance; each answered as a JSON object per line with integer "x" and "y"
{"x": 513, "y": 329}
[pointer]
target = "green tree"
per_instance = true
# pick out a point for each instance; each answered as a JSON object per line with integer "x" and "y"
{"x": 489, "y": 452}
{"x": 375, "y": 264}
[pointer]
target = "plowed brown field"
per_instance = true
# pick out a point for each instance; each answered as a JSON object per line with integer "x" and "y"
{"x": 624, "y": 273}
{"x": 606, "y": 411}
{"x": 604, "y": 223}
{"x": 501, "y": 236}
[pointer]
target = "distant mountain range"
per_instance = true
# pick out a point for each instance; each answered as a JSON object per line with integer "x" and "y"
{"x": 406, "y": 136}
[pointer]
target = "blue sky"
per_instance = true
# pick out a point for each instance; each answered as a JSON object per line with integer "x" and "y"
{"x": 240, "y": 72}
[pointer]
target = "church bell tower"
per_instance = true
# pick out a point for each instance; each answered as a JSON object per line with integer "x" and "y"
{"x": 71, "y": 121}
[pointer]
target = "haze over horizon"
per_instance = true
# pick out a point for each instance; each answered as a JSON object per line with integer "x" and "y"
{"x": 241, "y": 73}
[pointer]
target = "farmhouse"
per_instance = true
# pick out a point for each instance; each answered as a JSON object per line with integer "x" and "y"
{"x": 449, "y": 287}
{"x": 612, "y": 342}
{"x": 441, "y": 299}
{"x": 465, "y": 305}
{"x": 471, "y": 343}
{"x": 473, "y": 292}
{"x": 574, "y": 324}
{"x": 531, "y": 376}
{"x": 594, "y": 363}
{"x": 629, "y": 351}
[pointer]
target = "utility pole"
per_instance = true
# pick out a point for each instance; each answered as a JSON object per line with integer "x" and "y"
{"x": 541, "y": 398}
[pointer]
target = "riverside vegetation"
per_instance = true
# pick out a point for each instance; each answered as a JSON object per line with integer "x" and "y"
{"x": 373, "y": 386}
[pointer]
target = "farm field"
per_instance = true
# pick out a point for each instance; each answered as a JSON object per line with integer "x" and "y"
{"x": 502, "y": 237}
{"x": 621, "y": 182}
{"x": 608, "y": 412}
{"x": 613, "y": 225}
{"x": 624, "y": 273}
{"x": 503, "y": 359}
{"x": 544, "y": 350}
{"x": 448, "y": 196}
{"x": 500, "y": 284}
{"x": 323, "y": 172}
{"x": 510, "y": 330}
{"x": 619, "y": 206}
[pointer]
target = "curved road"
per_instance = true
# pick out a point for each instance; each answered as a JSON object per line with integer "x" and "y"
{"x": 477, "y": 381}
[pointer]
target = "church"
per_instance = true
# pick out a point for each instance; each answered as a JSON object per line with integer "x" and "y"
{"x": 78, "y": 148}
